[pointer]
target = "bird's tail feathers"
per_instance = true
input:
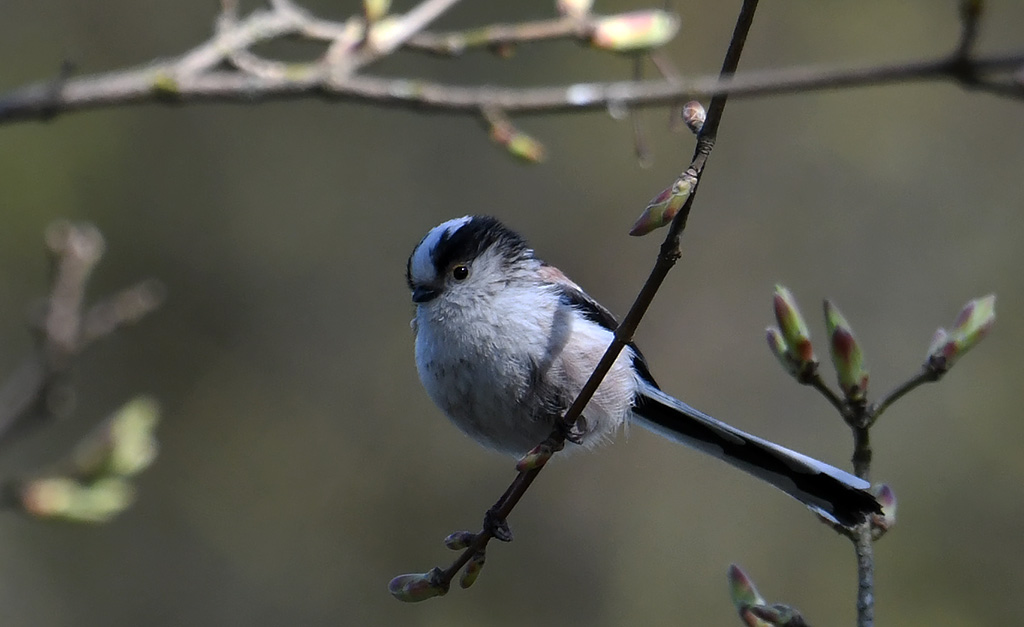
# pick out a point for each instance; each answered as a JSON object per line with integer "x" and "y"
{"x": 833, "y": 493}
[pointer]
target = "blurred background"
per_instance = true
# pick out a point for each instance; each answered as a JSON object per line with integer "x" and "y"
{"x": 302, "y": 466}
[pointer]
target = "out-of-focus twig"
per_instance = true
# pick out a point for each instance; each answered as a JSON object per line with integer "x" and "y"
{"x": 199, "y": 75}
{"x": 38, "y": 388}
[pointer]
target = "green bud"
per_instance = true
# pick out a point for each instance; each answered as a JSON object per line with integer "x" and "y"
{"x": 664, "y": 206}
{"x": 472, "y": 570}
{"x": 416, "y": 587}
{"x": 846, "y": 354}
{"x": 777, "y": 345}
{"x": 164, "y": 85}
{"x": 938, "y": 342}
{"x": 375, "y": 9}
{"x": 794, "y": 329}
{"x": 535, "y": 457}
{"x": 63, "y": 497}
{"x": 525, "y": 147}
{"x": 48, "y": 497}
{"x": 637, "y": 30}
{"x": 123, "y": 445}
{"x": 741, "y": 589}
{"x": 971, "y": 326}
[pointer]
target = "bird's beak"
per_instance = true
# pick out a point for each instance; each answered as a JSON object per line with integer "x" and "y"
{"x": 425, "y": 293}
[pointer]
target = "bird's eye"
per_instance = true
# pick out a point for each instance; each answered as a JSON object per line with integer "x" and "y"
{"x": 460, "y": 272}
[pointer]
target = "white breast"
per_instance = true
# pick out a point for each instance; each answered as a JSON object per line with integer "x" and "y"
{"x": 490, "y": 370}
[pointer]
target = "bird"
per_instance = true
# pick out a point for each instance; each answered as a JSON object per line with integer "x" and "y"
{"x": 504, "y": 342}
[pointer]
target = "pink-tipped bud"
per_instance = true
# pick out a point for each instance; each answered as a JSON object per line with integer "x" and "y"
{"x": 535, "y": 457}
{"x": 526, "y": 148}
{"x": 664, "y": 207}
{"x": 518, "y": 143}
{"x": 880, "y": 523}
{"x": 416, "y": 587}
{"x": 472, "y": 570}
{"x": 634, "y": 31}
{"x": 694, "y": 116}
{"x": 847, "y": 356}
{"x": 459, "y": 540}
{"x": 777, "y": 345}
{"x": 741, "y": 589}
{"x": 971, "y": 326}
{"x": 794, "y": 329}
{"x": 63, "y": 497}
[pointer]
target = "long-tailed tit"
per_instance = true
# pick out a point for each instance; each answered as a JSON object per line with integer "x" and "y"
{"x": 504, "y": 342}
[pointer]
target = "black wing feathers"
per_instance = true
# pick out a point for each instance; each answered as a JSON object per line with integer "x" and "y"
{"x": 595, "y": 312}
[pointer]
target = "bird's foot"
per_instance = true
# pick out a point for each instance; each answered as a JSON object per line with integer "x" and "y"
{"x": 574, "y": 432}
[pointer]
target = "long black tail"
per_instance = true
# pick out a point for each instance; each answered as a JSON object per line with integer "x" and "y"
{"x": 834, "y": 493}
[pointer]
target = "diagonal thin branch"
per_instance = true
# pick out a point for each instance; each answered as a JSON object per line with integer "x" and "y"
{"x": 667, "y": 257}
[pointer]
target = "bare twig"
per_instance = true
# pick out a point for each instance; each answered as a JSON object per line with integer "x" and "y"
{"x": 816, "y": 382}
{"x": 927, "y": 374}
{"x": 195, "y": 77}
{"x": 384, "y": 41}
{"x": 67, "y": 328}
{"x": 865, "y": 575}
{"x": 413, "y": 22}
{"x": 159, "y": 84}
{"x": 970, "y": 17}
{"x": 458, "y": 42}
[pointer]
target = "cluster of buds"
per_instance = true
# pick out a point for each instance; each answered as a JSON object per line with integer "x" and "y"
{"x": 752, "y": 608}
{"x": 95, "y": 485}
{"x": 459, "y": 541}
{"x": 791, "y": 345}
{"x": 416, "y": 587}
{"x": 790, "y": 342}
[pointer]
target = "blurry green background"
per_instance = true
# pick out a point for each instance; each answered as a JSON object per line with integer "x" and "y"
{"x": 302, "y": 466}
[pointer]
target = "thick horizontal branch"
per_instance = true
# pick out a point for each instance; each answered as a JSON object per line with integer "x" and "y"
{"x": 161, "y": 83}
